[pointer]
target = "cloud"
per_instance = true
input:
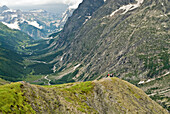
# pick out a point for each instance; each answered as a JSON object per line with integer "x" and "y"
{"x": 72, "y": 2}
{"x": 37, "y": 2}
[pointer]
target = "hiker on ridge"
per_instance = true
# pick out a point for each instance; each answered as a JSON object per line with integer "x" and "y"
{"x": 111, "y": 75}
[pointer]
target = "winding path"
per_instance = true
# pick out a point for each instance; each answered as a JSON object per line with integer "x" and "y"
{"x": 46, "y": 77}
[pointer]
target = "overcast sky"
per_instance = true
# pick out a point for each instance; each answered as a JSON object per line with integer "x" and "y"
{"x": 37, "y": 2}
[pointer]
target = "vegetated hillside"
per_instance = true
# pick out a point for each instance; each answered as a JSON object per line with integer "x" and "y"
{"x": 3, "y": 82}
{"x": 12, "y": 44}
{"x": 129, "y": 38}
{"x": 159, "y": 90}
{"x": 11, "y": 66}
{"x": 111, "y": 96}
{"x": 13, "y": 39}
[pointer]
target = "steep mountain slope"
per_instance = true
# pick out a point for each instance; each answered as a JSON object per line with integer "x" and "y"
{"x": 3, "y": 8}
{"x": 53, "y": 49}
{"x": 12, "y": 44}
{"x": 126, "y": 37}
{"x": 11, "y": 66}
{"x": 13, "y": 39}
{"x": 111, "y": 95}
{"x": 158, "y": 89}
{"x": 65, "y": 16}
{"x": 79, "y": 16}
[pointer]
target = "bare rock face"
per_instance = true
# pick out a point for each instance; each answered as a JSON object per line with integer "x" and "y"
{"x": 77, "y": 20}
{"x": 129, "y": 38}
{"x": 109, "y": 95}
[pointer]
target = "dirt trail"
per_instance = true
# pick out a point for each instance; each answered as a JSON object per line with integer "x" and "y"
{"x": 46, "y": 77}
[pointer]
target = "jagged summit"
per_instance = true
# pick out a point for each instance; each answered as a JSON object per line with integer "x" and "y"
{"x": 3, "y": 8}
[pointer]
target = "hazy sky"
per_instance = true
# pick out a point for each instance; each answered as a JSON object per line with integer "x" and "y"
{"x": 37, "y": 2}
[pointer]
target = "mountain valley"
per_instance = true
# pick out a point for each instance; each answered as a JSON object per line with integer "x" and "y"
{"x": 78, "y": 49}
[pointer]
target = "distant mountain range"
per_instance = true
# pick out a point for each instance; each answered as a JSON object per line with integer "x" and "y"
{"x": 3, "y": 8}
{"x": 14, "y": 43}
{"x": 37, "y": 23}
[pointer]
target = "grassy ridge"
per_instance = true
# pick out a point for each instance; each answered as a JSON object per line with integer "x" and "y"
{"x": 13, "y": 100}
{"x": 110, "y": 95}
{"x": 3, "y": 82}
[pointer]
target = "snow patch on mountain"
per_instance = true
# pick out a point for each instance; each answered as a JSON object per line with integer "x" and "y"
{"x": 9, "y": 10}
{"x": 128, "y": 7}
{"x": 35, "y": 24}
{"x": 1, "y": 17}
{"x": 12, "y": 25}
{"x": 89, "y": 17}
{"x": 141, "y": 82}
{"x": 85, "y": 21}
{"x": 14, "y": 15}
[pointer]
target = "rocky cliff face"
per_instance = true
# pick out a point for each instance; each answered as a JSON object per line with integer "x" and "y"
{"x": 111, "y": 96}
{"x": 79, "y": 17}
{"x": 129, "y": 38}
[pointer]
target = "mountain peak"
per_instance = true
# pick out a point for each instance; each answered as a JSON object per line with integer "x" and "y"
{"x": 3, "y": 8}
